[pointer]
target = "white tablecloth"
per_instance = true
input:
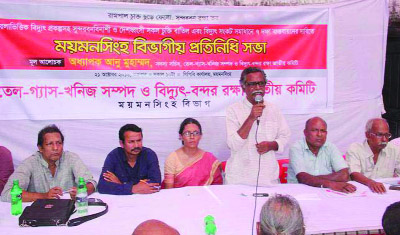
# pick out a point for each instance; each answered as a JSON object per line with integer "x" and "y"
{"x": 231, "y": 205}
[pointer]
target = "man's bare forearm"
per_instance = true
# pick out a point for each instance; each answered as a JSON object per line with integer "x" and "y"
{"x": 311, "y": 180}
{"x": 340, "y": 176}
{"x": 90, "y": 188}
{"x": 30, "y": 196}
{"x": 356, "y": 176}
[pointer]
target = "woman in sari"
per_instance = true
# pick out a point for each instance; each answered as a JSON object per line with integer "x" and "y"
{"x": 190, "y": 165}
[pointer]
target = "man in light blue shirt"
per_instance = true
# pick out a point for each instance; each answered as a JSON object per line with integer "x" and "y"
{"x": 318, "y": 163}
{"x": 51, "y": 171}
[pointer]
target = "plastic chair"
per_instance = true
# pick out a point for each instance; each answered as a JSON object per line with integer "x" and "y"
{"x": 223, "y": 165}
{"x": 283, "y": 167}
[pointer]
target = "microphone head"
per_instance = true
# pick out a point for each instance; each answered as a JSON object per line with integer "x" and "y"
{"x": 258, "y": 98}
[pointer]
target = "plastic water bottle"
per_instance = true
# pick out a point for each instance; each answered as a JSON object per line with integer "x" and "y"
{"x": 210, "y": 227}
{"x": 16, "y": 198}
{"x": 82, "y": 198}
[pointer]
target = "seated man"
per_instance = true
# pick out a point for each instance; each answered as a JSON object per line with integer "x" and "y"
{"x": 130, "y": 168}
{"x": 281, "y": 214}
{"x": 154, "y": 227}
{"x": 50, "y": 171}
{"x": 391, "y": 219}
{"x": 6, "y": 166}
{"x": 375, "y": 158}
{"x": 318, "y": 163}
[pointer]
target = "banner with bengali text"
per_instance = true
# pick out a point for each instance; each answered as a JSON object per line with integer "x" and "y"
{"x": 150, "y": 61}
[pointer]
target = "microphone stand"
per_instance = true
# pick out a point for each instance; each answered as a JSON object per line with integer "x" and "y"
{"x": 258, "y": 99}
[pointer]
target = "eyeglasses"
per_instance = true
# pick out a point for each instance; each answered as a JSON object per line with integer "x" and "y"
{"x": 188, "y": 133}
{"x": 380, "y": 135}
{"x": 254, "y": 84}
{"x": 323, "y": 131}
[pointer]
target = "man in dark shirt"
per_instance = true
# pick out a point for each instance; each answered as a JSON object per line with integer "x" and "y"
{"x": 130, "y": 168}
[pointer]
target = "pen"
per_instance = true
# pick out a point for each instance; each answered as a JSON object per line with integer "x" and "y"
{"x": 336, "y": 192}
{"x": 67, "y": 191}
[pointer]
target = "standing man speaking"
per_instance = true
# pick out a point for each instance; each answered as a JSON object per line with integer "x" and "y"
{"x": 255, "y": 129}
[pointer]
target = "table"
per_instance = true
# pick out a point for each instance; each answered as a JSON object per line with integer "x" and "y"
{"x": 231, "y": 205}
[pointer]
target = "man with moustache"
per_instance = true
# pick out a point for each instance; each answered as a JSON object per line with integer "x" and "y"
{"x": 49, "y": 171}
{"x": 318, "y": 163}
{"x": 131, "y": 168}
{"x": 374, "y": 158}
{"x": 246, "y": 119}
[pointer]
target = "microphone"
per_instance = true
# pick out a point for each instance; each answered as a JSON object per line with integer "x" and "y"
{"x": 258, "y": 99}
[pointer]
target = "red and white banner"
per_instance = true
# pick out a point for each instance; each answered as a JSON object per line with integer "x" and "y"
{"x": 158, "y": 61}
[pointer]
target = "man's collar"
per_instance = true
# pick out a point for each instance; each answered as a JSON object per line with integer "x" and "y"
{"x": 125, "y": 158}
{"x": 45, "y": 163}
{"x": 247, "y": 103}
{"x": 308, "y": 148}
{"x": 368, "y": 149}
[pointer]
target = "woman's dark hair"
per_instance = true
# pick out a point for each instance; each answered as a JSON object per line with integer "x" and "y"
{"x": 189, "y": 121}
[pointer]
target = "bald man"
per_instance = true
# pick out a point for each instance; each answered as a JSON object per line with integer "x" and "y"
{"x": 154, "y": 227}
{"x": 374, "y": 158}
{"x": 318, "y": 163}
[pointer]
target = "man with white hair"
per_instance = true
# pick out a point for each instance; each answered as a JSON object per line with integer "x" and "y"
{"x": 374, "y": 158}
{"x": 282, "y": 215}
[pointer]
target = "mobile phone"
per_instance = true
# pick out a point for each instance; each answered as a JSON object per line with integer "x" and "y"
{"x": 395, "y": 187}
{"x": 260, "y": 194}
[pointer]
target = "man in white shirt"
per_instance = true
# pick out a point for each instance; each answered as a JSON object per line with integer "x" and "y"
{"x": 246, "y": 119}
{"x": 374, "y": 158}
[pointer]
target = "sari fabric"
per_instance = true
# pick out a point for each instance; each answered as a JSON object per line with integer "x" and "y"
{"x": 204, "y": 170}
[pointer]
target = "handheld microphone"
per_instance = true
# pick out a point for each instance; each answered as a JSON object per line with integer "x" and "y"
{"x": 258, "y": 99}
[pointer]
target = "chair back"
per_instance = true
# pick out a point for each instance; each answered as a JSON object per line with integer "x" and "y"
{"x": 283, "y": 167}
{"x": 223, "y": 165}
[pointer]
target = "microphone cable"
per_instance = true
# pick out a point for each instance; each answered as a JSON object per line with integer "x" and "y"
{"x": 258, "y": 176}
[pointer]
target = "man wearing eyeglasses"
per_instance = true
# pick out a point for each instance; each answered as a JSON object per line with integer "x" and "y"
{"x": 374, "y": 158}
{"x": 50, "y": 172}
{"x": 131, "y": 168}
{"x": 256, "y": 129}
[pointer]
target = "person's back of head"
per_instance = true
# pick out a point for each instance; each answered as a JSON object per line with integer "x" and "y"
{"x": 281, "y": 215}
{"x": 154, "y": 227}
{"x": 391, "y": 219}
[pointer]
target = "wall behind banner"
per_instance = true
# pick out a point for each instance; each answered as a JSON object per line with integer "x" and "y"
{"x": 360, "y": 30}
